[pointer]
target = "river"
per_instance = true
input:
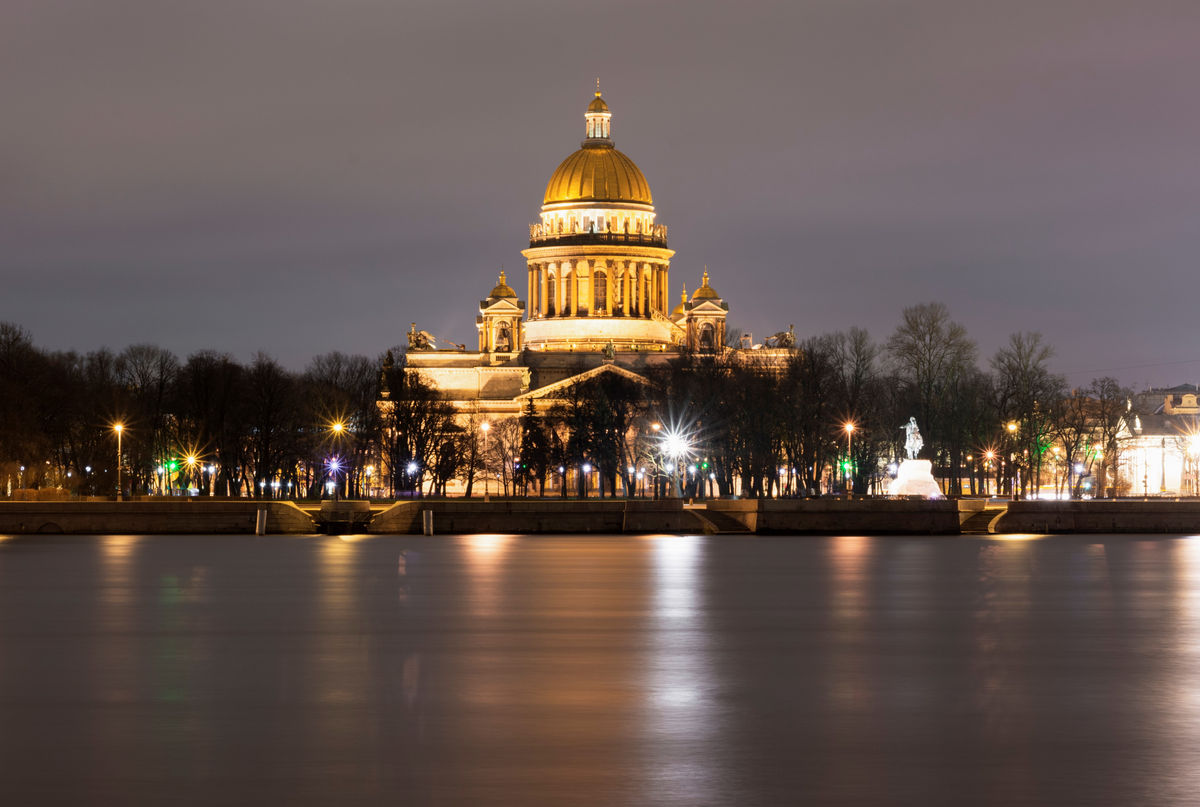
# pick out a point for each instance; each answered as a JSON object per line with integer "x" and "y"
{"x": 613, "y": 670}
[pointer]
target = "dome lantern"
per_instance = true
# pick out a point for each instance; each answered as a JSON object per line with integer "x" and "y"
{"x": 599, "y": 121}
{"x": 598, "y": 172}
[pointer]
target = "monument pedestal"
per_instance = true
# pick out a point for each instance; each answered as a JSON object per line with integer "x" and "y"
{"x": 915, "y": 478}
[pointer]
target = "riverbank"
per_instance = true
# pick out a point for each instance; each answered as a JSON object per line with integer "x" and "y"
{"x": 573, "y": 516}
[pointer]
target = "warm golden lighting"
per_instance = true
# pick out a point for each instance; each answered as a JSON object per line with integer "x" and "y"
{"x": 849, "y": 428}
{"x": 190, "y": 459}
{"x": 485, "y": 426}
{"x": 1012, "y": 427}
{"x": 655, "y": 426}
{"x": 118, "y": 427}
{"x": 338, "y": 427}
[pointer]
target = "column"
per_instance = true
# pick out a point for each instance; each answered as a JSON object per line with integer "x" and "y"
{"x": 586, "y": 289}
{"x": 532, "y": 290}
{"x": 544, "y": 272}
{"x": 626, "y": 309}
{"x": 610, "y": 286}
{"x": 565, "y": 280}
{"x": 648, "y": 290}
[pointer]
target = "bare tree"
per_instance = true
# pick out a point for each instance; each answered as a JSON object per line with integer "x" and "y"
{"x": 1111, "y": 403}
{"x": 933, "y": 357}
{"x": 1027, "y": 395}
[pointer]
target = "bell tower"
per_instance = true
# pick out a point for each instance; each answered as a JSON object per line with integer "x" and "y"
{"x": 499, "y": 321}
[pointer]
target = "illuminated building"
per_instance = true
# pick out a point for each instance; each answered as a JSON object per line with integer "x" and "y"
{"x": 1160, "y": 450}
{"x": 598, "y": 273}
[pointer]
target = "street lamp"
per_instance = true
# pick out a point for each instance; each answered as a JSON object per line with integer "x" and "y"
{"x": 849, "y": 461}
{"x": 191, "y": 461}
{"x": 485, "y": 427}
{"x": 339, "y": 429}
{"x": 119, "y": 428}
{"x": 678, "y": 446}
{"x": 989, "y": 456}
{"x": 334, "y": 465}
{"x": 1194, "y": 451}
{"x": 1012, "y": 479}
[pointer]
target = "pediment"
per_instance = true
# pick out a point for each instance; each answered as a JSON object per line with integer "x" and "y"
{"x": 505, "y": 305}
{"x": 552, "y": 390}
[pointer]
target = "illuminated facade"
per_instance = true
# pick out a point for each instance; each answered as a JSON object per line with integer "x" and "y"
{"x": 1160, "y": 451}
{"x": 597, "y": 295}
{"x": 598, "y": 263}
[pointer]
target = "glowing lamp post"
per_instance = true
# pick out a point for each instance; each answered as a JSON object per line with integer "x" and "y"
{"x": 989, "y": 456}
{"x": 485, "y": 427}
{"x": 1194, "y": 453}
{"x": 191, "y": 461}
{"x": 849, "y": 462}
{"x": 334, "y": 465}
{"x": 411, "y": 469}
{"x": 119, "y": 428}
{"x": 677, "y": 446}
{"x": 1012, "y": 434}
{"x": 339, "y": 430}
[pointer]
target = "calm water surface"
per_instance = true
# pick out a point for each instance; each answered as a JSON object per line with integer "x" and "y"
{"x": 664, "y": 670}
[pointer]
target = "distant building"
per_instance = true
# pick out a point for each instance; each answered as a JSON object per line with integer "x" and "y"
{"x": 1160, "y": 446}
{"x": 598, "y": 294}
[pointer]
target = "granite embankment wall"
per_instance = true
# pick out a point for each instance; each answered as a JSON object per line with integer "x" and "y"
{"x": 781, "y": 517}
{"x": 813, "y": 516}
{"x": 865, "y": 516}
{"x": 151, "y": 517}
{"x": 1101, "y": 517}
{"x": 539, "y": 516}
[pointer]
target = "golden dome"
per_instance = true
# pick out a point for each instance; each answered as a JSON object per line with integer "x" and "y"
{"x": 705, "y": 292}
{"x": 598, "y": 175}
{"x": 681, "y": 308}
{"x": 502, "y": 289}
{"x": 598, "y": 172}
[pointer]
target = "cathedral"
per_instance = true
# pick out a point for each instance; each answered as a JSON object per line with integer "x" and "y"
{"x": 597, "y": 297}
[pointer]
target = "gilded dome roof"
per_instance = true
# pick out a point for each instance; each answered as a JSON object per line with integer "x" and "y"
{"x": 682, "y": 307}
{"x": 502, "y": 289}
{"x": 706, "y": 292}
{"x": 598, "y": 174}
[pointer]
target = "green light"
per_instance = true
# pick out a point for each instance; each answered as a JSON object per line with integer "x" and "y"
{"x": 172, "y": 466}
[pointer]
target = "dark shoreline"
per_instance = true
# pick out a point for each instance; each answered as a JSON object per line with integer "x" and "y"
{"x": 570, "y": 516}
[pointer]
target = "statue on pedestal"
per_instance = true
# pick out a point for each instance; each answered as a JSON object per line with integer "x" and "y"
{"x": 914, "y": 477}
{"x": 912, "y": 439}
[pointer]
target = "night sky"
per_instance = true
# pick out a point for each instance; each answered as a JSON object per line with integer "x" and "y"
{"x": 312, "y": 175}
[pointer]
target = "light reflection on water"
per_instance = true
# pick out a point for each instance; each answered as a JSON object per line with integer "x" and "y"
{"x": 600, "y": 670}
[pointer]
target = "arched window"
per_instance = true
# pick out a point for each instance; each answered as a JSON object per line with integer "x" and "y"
{"x": 551, "y": 296}
{"x": 707, "y": 338}
{"x": 599, "y": 291}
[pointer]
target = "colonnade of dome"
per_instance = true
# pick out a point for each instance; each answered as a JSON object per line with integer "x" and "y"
{"x": 597, "y": 254}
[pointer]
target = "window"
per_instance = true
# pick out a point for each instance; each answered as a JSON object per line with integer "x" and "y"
{"x": 600, "y": 291}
